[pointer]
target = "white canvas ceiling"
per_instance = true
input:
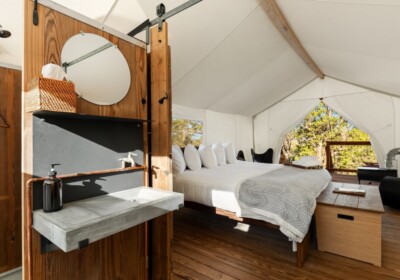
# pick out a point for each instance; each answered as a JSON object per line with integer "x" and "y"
{"x": 11, "y": 18}
{"x": 228, "y": 57}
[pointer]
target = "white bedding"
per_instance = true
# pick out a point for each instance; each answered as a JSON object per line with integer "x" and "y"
{"x": 218, "y": 187}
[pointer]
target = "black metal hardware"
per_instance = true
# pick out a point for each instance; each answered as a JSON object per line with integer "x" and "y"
{"x": 83, "y": 243}
{"x": 35, "y": 18}
{"x": 160, "y": 10}
{"x": 140, "y": 28}
{"x": 46, "y": 245}
{"x": 162, "y": 16}
{"x": 144, "y": 101}
{"x": 161, "y": 101}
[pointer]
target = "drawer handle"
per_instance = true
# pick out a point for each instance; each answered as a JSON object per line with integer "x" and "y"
{"x": 345, "y": 217}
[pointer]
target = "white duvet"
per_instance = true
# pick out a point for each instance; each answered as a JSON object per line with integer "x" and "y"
{"x": 216, "y": 187}
{"x": 219, "y": 187}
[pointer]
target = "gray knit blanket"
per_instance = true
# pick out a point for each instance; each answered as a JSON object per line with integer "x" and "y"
{"x": 285, "y": 197}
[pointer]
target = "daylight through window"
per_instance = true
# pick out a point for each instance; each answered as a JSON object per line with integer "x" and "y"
{"x": 187, "y": 132}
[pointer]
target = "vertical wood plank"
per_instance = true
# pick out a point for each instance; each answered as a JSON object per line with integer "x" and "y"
{"x": 161, "y": 113}
{"x": 43, "y": 45}
{"x": 123, "y": 255}
{"x": 10, "y": 169}
{"x": 160, "y": 69}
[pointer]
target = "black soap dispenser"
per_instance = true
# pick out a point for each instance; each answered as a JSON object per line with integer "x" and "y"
{"x": 52, "y": 192}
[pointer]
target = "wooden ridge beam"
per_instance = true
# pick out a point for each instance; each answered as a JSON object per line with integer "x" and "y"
{"x": 281, "y": 23}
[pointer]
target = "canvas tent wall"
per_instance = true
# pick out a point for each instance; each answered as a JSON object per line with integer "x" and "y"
{"x": 220, "y": 127}
{"x": 375, "y": 113}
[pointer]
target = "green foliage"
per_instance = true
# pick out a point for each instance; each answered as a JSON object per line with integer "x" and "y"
{"x": 187, "y": 132}
{"x": 321, "y": 125}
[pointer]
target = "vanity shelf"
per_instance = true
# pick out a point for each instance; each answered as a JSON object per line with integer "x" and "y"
{"x": 86, "y": 221}
{"x": 43, "y": 114}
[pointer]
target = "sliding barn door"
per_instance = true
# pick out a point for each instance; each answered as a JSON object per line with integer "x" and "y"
{"x": 10, "y": 169}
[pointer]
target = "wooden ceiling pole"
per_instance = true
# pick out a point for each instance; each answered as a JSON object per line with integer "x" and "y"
{"x": 281, "y": 23}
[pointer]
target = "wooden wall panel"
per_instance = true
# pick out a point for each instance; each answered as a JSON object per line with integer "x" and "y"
{"x": 120, "y": 256}
{"x": 123, "y": 255}
{"x": 10, "y": 169}
{"x": 43, "y": 45}
{"x": 161, "y": 116}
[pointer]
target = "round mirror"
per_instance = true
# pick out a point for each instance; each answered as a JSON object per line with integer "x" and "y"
{"x": 97, "y": 68}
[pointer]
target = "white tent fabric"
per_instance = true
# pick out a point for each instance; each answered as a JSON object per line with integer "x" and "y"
{"x": 237, "y": 63}
{"x": 375, "y": 113}
{"x": 220, "y": 127}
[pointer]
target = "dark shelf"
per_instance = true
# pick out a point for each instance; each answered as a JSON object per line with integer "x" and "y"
{"x": 82, "y": 116}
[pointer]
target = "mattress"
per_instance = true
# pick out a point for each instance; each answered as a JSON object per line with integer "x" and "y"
{"x": 216, "y": 187}
{"x": 267, "y": 185}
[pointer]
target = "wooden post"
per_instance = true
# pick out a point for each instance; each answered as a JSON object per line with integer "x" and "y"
{"x": 160, "y": 77}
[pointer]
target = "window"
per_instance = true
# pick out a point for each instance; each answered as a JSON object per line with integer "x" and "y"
{"x": 187, "y": 132}
{"x": 322, "y": 125}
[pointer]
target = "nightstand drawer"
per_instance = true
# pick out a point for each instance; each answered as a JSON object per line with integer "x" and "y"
{"x": 352, "y": 233}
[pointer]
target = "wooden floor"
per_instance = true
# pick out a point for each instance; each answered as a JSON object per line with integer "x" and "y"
{"x": 208, "y": 246}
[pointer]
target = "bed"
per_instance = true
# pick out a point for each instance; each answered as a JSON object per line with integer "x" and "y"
{"x": 279, "y": 195}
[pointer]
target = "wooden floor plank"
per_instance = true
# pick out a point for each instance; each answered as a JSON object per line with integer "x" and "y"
{"x": 183, "y": 272}
{"x": 193, "y": 264}
{"x": 211, "y": 246}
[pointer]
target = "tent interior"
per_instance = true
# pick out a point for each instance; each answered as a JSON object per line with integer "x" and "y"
{"x": 233, "y": 69}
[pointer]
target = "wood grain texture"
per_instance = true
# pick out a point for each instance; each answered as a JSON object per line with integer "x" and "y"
{"x": 283, "y": 26}
{"x": 123, "y": 255}
{"x": 302, "y": 248}
{"x": 328, "y": 196}
{"x": 43, "y": 45}
{"x": 208, "y": 246}
{"x": 10, "y": 169}
{"x": 359, "y": 238}
{"x": 370, "y": 202}
{"x": 161, "y": 115}
{"x": 3, "y": 122}
{"x": 160, "y": 80}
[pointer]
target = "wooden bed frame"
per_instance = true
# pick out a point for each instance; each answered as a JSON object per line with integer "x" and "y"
{"x": 302, "y": 248}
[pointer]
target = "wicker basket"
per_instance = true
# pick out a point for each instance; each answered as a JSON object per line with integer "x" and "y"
{"x": 50, "y": 95}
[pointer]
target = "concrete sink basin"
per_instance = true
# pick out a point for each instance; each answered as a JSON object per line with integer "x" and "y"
{"x": 89, "y": 220}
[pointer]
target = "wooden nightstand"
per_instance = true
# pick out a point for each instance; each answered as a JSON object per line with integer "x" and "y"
{"x": 350, "y": 225}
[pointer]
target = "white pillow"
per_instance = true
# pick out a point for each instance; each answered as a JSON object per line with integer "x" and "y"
{"x": 178, "y": 161}
{"x": 192, "y": 157}
{"x": 220, "y": 153}
{"x": 208, "y": 157}
{"x": 230, "y": 153}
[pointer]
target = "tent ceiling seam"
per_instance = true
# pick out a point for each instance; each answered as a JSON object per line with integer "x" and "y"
{"x": 326, "y": 97}
{"x": 367, "y": 88}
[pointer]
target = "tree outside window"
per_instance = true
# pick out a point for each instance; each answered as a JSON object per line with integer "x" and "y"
{"x": 321, "y": 125}
{"x": 187, "y": 132}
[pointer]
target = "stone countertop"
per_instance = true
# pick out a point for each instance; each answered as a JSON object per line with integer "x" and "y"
{"x": 98, "y": 217}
